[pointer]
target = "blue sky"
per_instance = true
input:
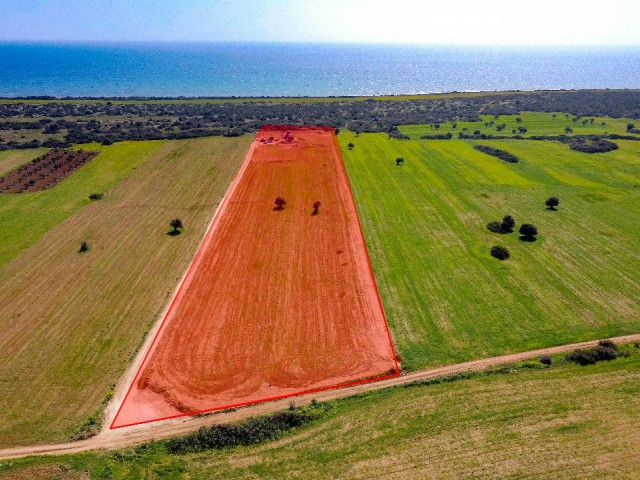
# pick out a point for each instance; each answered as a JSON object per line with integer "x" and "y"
{"x": 508, "y": 22}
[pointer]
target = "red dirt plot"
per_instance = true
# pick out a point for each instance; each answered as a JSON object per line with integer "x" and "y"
{"x": 277, "y": 302}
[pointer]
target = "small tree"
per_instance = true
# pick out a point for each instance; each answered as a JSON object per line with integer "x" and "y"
{"x": 501, "y": 253}
{"x": 528, "y": 232}
{"x": 316, "y": 206}
{"x": 280, "y": 203}
{"x": 568, "y": 130}
{"x": 399, "y": 161}
{"x": 176, "y": 224}
{"x": 84, "y": 246}
{"x": 552, "y": 203}
{"x": 630, "y": 127}
{"x": 508, "y": 223}
{"x": 350, "y": 146}
{"x": 545, "y": 360}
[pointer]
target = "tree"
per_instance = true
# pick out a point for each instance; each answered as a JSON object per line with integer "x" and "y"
{"x": 350, "y": 146}
{"x": 568, "y": 130}
{"x": 316, "y": 206}
{"x": 528, "y": 232}
{"x": 84, "y": 246}
{"x": 552, "y": 203}
{"x": 280, "y": 203}
{"x": 508, "y": 223}
{"x": 501, "y": 253}
{"x": 630, "y": 127}
{"x": 176, "y": 224}
{"x": 522, "y": 129}
{"x": 518, "y": 120}
{"x": 399, "y": 161}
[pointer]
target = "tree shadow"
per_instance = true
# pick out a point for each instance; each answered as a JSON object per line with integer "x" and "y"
{"x": 554, "y": 209}
{"x": 525, "y": 238}
{"x": 314, "y": 213}
{"x": 174, "y": 233}
{"x": 277, "y": 208}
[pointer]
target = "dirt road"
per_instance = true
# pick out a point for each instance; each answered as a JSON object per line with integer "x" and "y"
{"x": 123, "y": 437}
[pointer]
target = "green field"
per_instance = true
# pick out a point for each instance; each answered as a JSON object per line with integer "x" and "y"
{"x": 562, "y": 422}
{"x": 447, "y": 300}
{"x": 26, "y": 217}
{"x": 536, "y": 123}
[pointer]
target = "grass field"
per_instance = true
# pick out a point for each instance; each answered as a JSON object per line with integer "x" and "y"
{"x": 536, "y": 123}
{"x": 26, "y": 217}
{"x": 447, "y": 300}
{"x": 565, "y": 422}
{"x": 70, "y": 322}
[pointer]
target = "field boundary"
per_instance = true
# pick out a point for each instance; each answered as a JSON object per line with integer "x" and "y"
{"x": 117, "y": 405}
{"x": 128, "y": 436}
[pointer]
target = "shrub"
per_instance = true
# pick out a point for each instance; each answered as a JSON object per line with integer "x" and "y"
{"x": 552, "y": 203}
{"x": 84, "y": 246}
{"x": 96, "y": 196}
{"x": 176, "y": 224}
{"x": 399, "y": 161}
{"x": 545, "y": 359}
{"x": 280, "y": 203}
{"x": 254, "y": 430}
{"x": 495, "y": 227}
{"x": 605, "y": 350}
{"x": 590, "y": 144}
{"x": 316, "y": 206}
{"x": 350, "y": 146}
{"x": 494, "y": 152}
{"x": 528, "y": 231}
{"x": 501, "y": 253}
{"x": 508, "y": 223}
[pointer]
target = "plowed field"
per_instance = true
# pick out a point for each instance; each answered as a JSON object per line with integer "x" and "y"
{"x": 277, "y": 302}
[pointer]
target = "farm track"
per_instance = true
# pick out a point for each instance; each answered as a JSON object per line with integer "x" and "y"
{"x": 129, "y": 436}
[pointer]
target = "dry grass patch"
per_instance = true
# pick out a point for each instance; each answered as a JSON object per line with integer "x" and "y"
{"x": 71, "y": 322}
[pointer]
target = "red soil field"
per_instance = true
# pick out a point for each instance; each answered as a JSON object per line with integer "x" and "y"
{"x": 276, "y": 302}
{"x": 45, "y": 171}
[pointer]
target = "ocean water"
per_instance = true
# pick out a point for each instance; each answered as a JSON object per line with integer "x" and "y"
{"x": 234, "y": 69}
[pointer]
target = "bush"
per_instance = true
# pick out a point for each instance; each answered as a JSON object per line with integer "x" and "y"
{"x": 501, "y": 154}
{"x": 552, "y": 203}
{"x": 545, "y": 359}
{"x": 495, "y": 227}
{"x": 528, "y": 231}
{"x": 501, "y": 253}
{"x": 508, "y": 223}
{"x": 254, "y": 430}
{"x": 605, "y": 350}
{"x": 590, "y": 144}
{"x": 84, "y": 246}
{"x": 280, "y": 203}
{"x": 96, "y": 196}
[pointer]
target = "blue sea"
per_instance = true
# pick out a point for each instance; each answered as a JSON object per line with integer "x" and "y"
{"x": 234, "y": 69}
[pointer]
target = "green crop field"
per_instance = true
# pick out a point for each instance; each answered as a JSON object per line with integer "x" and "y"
{"x": 447, "y": 300}
{"x": 564, "y": 421}
{"x": 536, "y": 123}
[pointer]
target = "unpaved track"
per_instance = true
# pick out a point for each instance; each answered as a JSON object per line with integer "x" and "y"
{"x": 123, "y": 437}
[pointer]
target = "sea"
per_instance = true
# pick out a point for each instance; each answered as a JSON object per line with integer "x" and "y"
{"x": 275, "y": 70}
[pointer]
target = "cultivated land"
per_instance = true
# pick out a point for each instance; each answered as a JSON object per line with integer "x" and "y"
{"x": 565, "y": 421}
{"x": 70, "y": 322}
{"x": 446, "y": 298}
{"x": 26, "y": 217}
{"x": 11, "y": 159}
{"x": 277, "y": 302}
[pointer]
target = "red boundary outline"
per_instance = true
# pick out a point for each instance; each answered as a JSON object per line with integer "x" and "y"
{"x": 195, "y": 262}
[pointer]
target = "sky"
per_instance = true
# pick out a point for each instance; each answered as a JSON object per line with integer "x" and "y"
{"x": 466, "y": 22}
